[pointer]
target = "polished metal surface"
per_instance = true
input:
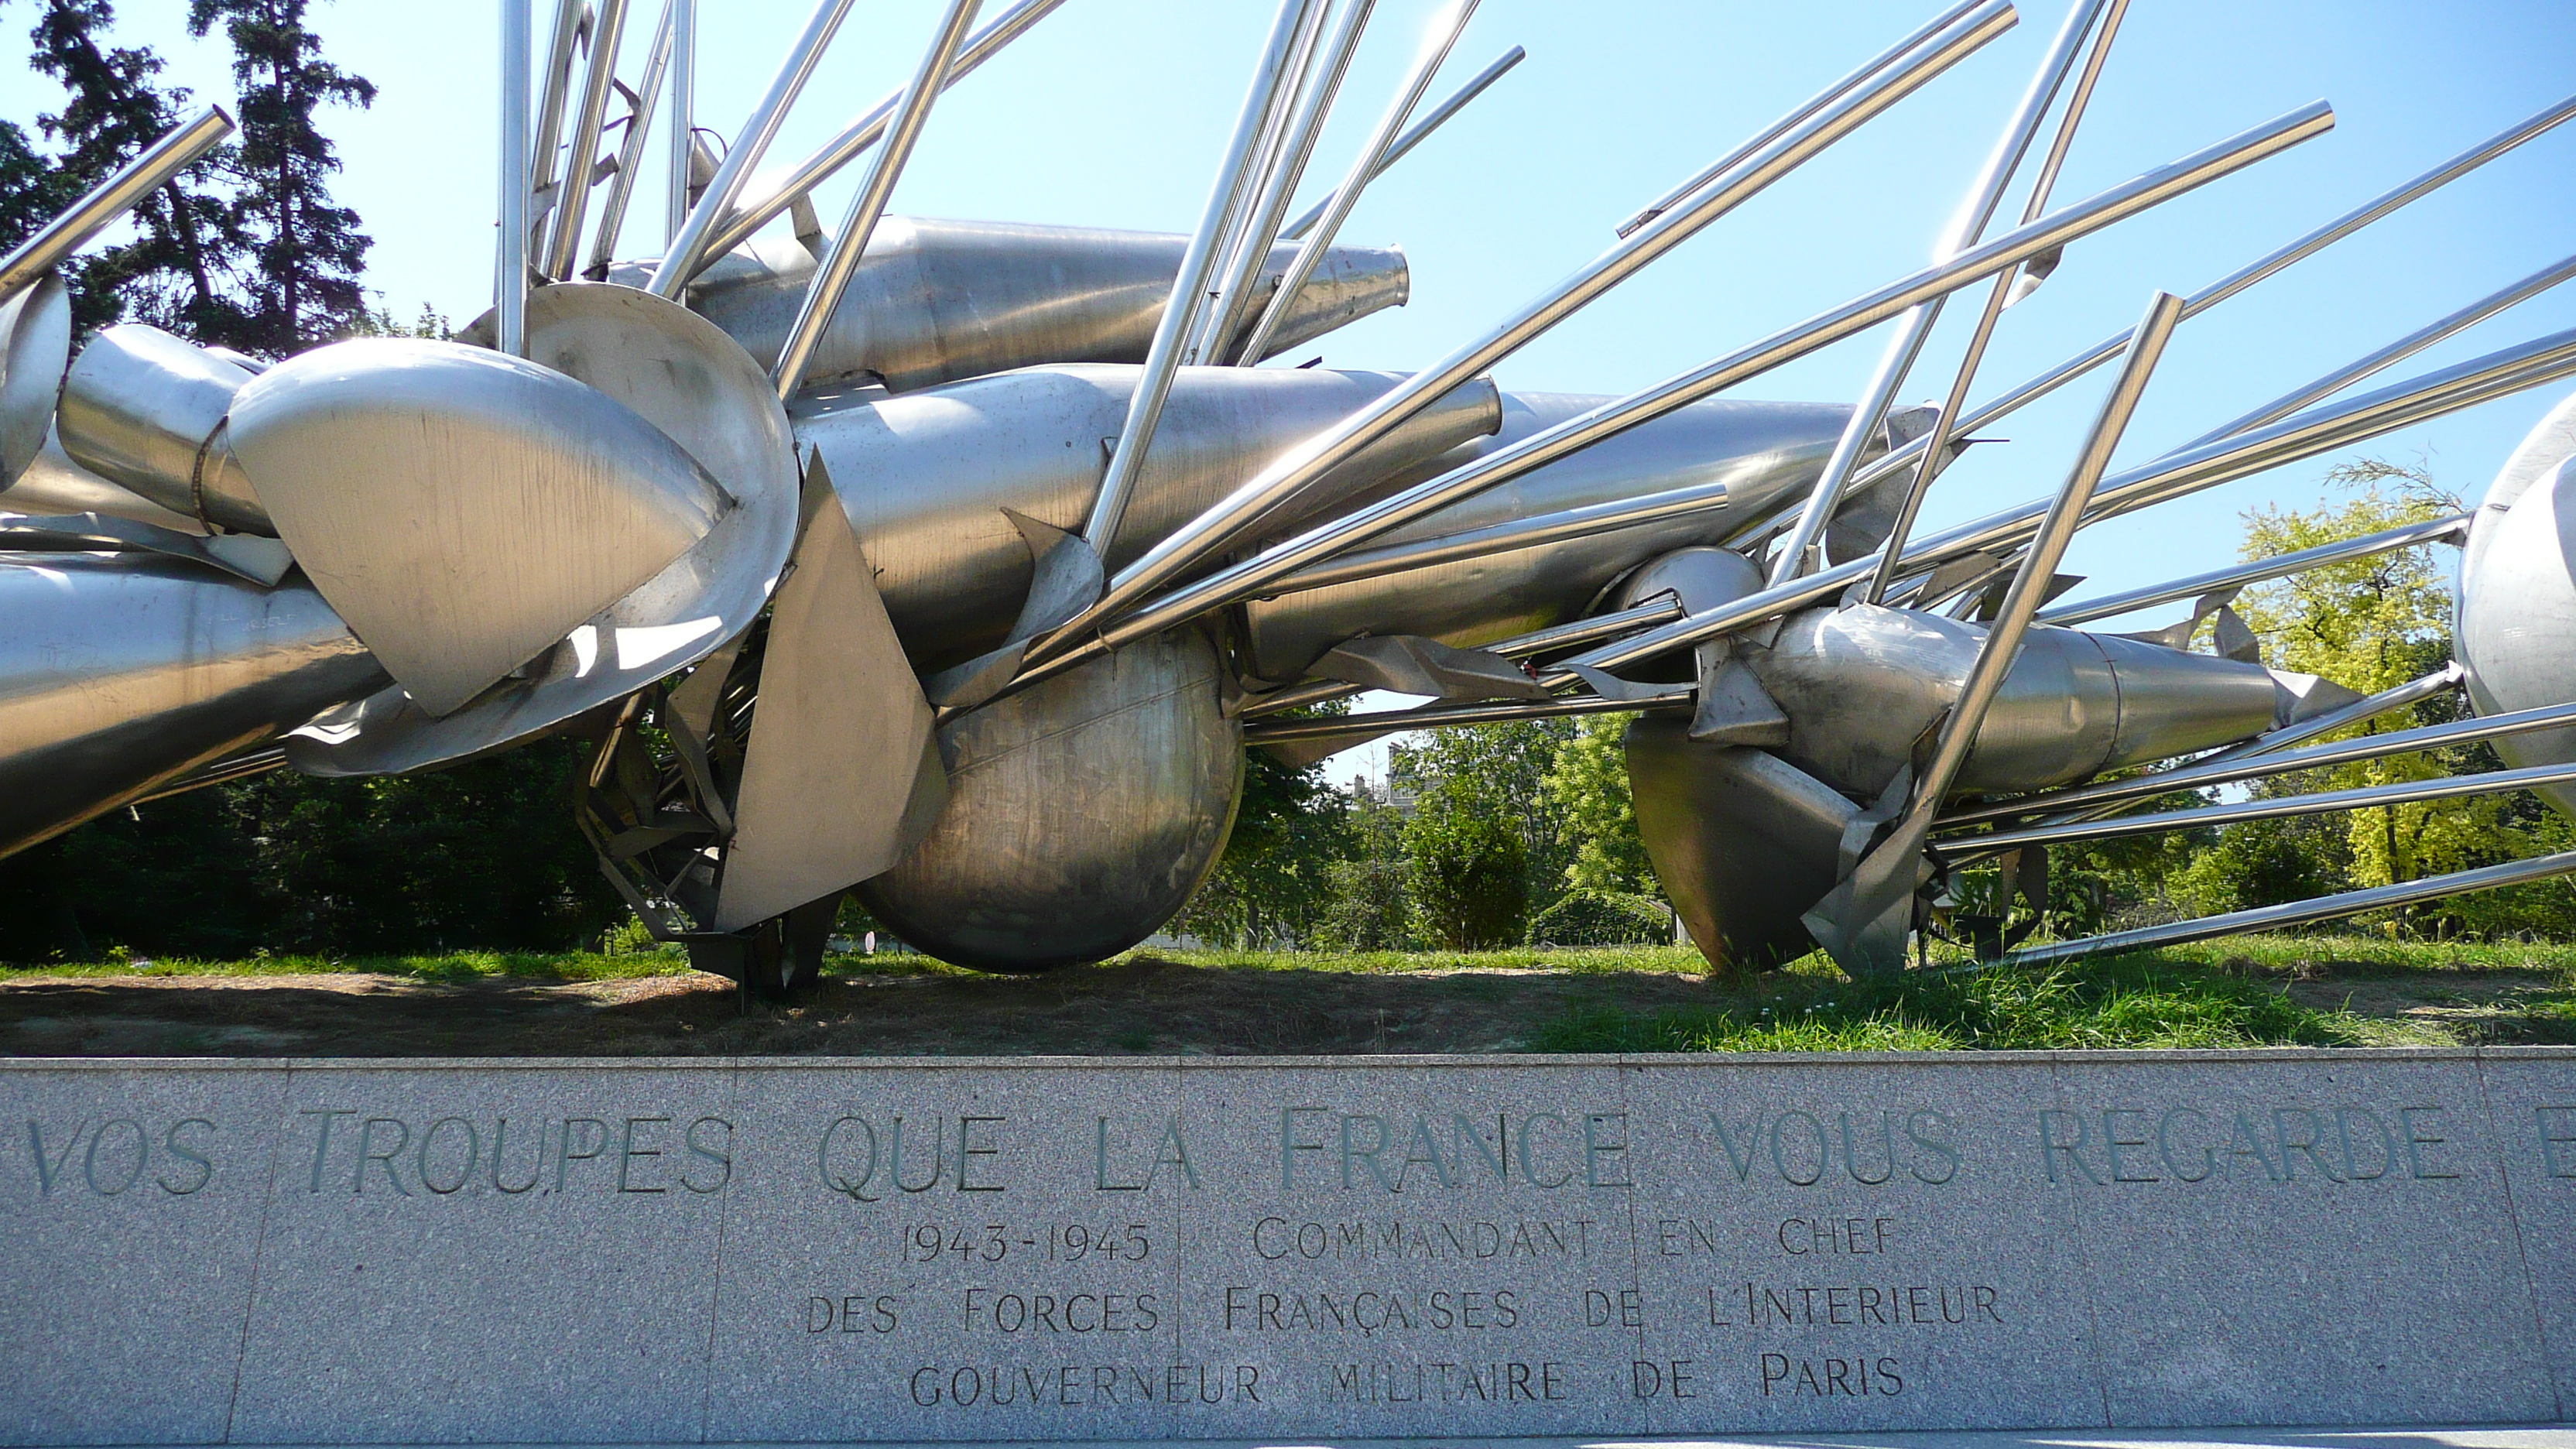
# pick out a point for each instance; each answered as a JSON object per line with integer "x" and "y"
{"x": 836, "y": 740}
{"x": 694, "y": 386}
{"x": 140, "y": 408}
{"x": 1081, "y": 814}
{"x": 1415, "y": 134}
{"x": 35, "y": 348}
{"x": 247, "y": 556}
{"x": 121, "y": 672}
{"x": 110, "y": 200}
{"x": 680, "y": 169}
{"x": 1741, "y": 840}
{"x": 2516, "y": 623}
{"x": 926, "y": 475}
{"x": 822, "y": 301}
{"x": 629, "y": 161}
{"x": 935, "y": 301}
{"x": 2451, "y": 528}
{"x": 1427, "y": 669}
{"x": 54, "y": 484}
{"x": 1861, "y": 685}
{"x": 572, "y": 198}
{"x": 1760, "y": 453}
{"x": 510, "y": 247}
{"x": 504, "y": 503}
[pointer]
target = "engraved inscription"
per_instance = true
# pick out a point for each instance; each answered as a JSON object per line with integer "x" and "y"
{"x": 2349, "y": 1143}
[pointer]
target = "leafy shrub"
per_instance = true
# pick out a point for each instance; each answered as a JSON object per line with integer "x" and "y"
{"x": 1601, "y": 918}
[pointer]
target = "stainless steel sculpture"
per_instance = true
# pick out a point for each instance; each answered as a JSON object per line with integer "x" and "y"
{"x": 957, "y": 563}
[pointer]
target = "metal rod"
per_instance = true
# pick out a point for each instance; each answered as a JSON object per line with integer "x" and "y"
{"x": 1415, "y": 134}
{"x": 1282, "y": 152}
{"x": 1281, "y": 188}
{"x": 510, "y": 245}
{"x": 1189, "y": 289}
{"x": 152, "y": 169}
{"x": 2233, "y": 283}
{"x": 684, "y": 134}
{"x": 1867, "y": 71}
{"x": 1220, "y": 525}
{"x": 1504, "y": 537}
{"x": 573, "y": 200}
{"x": 841, "y": 262}
{"x": 547, "y": 138}
{"x": 2414, "y": 691}
{"x": 2294, "y": 913}
{"x": 1976, "y": 210}
{"x": 2279, "y": 807}
{"x": 1945, "y": 423}
{"x": 2397, "y": 351}
{"x": 2433, "y": 530}
{"x": 1524, "y": 646}
{"x": 855, "y": 138}
{"x": 680, "y": 260}
{"x": 1437, "y": 41}
{"x": 1250, "y": 578}
{"x": 2317, "y": 430}
{"x": 630, "y": 149}
{"x": 2314, "y": 757}
{"x": 1388, "y": 721}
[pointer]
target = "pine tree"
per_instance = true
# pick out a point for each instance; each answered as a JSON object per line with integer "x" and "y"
{"x": 307, "y": 254}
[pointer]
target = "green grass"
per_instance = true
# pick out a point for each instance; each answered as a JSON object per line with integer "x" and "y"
{"x": 449, "y": 967}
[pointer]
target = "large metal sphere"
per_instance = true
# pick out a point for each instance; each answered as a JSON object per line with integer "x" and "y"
{"x": 2517, "y": 608}
{"x": 1081, "y": 814}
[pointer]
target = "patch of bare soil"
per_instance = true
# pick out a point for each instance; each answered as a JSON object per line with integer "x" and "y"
{"x": 2487, "y": 1006}
{"x": 1142, "y": 1005}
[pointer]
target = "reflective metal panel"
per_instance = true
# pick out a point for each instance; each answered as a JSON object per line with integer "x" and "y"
{"x": 1082, "y": 813}
{"x": 2517, "y": 606}
{"x": 925, "y": 476}
{"x": 35, "y": 344}
{"x": 698, "y": 388}
{"x": 1741, "y": 840}
{"x": 54, "y": 484}
{"x": 1765, "y": 454}
{"x": 121, "y": 672}
{"x": 1861, "y": 685}
{"x": 501, "y": 502}
{"x": 934, "y": 301}
{"x": 140, "y": 408}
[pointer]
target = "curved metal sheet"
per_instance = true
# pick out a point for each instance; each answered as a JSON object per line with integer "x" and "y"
{"x": 1082, "y": 813}
{"x": 501, "y": 503}
{"x": 926, "y": 475}
{"x": 54, "y": 484}
{"x": 935, "y": 301}
{"x": 2517, "y": 608}
{"x": 122, "y": 672}
{"x": 35, "y": 347}
{"x": 1741, "y": 840}
{"x": 694, "y": 384}
{"x": 140, "y": 409}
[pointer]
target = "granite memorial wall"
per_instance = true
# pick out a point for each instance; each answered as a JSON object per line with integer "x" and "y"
{"x": 269, "y": 1252}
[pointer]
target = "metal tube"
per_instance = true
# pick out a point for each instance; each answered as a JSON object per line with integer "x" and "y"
{"x": 1975, "y": 211}
{"x": 2314, "y": 757}
{"x": 1415, "y": 134}
{"x": 2395, "y": 352}
{"x": 1437, "y": 41}
{"x": 2414, "y": 691}
{"x": 2076, "y": 104}
{"x": 1506, "y": 536}
{"x": 2294, "y": 913}
{"x": 680, "y": 260}
{"x": 548, "y": 135}
{"x": 856, "y": 137}
{"x": 110, "y": 199}
{"x": 2364, "y": 797}
{"x": 1250, "y": 578}
{"x": 1388, "y": 721}
{"x": 1258, "y": 210}
{"x": 1189, "y": 288}
{"x": 2233, "y": 283}
{"x": 1867, "y": 71}
{"x": 510, "y": 248}
{"x": 2317, "y": 430}
{"x": 573, "y": 201}
{"x": 2452, "y": 526}
{"x": 1220, "y": 525}
{"x": 1523, "y": 646}
{"x": 630, "y": 149}
{"x": 832, "y": 275}
{"x": 684, "y": 134}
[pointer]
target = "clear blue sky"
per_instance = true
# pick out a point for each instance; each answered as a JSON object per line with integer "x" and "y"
{"x": 1112, "y": 112}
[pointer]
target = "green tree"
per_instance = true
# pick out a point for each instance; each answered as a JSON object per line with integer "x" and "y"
{"x": 1587, "y": 788}
{"x": 1499, "y": 771}
{"x": 1370, "y": 906}
{"x": 1274, "y": 883}
{"x": 1466, "y": 871}
{"x": 307, "y": 255}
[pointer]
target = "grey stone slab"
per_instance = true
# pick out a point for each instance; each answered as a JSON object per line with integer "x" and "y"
{"x": 432, "y": 1275}
{"x": 955, "y": 1254}
{"x": 1855, "y": 1247}
{"x": 1406, "y": 1250}
{"x": 2308, "y": 1239}
{"x": 2531, "y": 1100}
{"x": 132, "y": 1209}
